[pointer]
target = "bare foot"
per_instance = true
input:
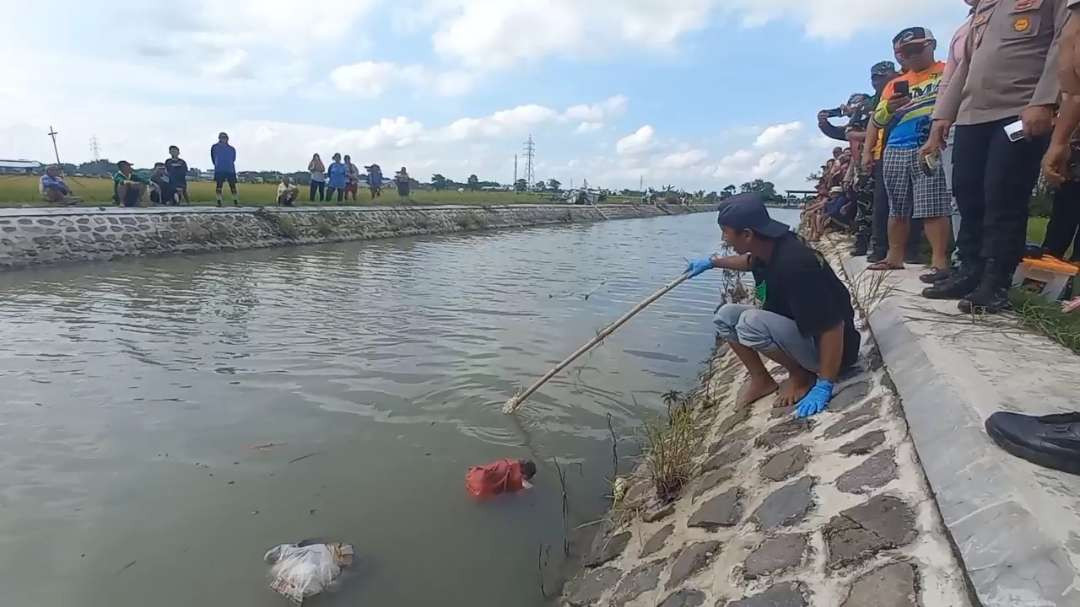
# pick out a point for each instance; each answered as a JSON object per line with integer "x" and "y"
{"x": 794, "y": 388}
{"x": 755, "y": 388}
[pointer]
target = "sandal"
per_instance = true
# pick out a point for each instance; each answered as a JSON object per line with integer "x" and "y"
{"x": 884, "y": 266}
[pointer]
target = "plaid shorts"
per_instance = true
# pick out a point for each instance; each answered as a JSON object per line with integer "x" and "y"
{"x": 913, "y": 193}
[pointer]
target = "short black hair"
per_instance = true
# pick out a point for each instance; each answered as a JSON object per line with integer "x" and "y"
{"x": 528, "y": 468}
{"x": 174, "y": 147}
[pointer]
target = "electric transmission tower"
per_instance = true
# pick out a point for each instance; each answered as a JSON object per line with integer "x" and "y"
{"x": 95, "y": 149}
{"x": 530, "y": 153}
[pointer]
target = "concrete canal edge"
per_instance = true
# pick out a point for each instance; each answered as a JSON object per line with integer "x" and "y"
{"x": 834, "y": 511}
{"x": 35, "y": 236}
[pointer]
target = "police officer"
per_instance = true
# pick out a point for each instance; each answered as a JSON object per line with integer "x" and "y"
{"x": 1008, "y": 74}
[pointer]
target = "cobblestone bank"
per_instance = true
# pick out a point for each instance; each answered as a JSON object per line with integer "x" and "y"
{"x": 42, "y": 236}
{"x": 832, "y": 512}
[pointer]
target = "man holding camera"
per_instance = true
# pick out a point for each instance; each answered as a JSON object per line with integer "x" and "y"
{"x": 916, "y": 189}
{"x": 1007, "y": 76}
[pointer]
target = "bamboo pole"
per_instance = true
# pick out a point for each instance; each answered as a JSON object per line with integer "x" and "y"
{"x": 515, "y": 401}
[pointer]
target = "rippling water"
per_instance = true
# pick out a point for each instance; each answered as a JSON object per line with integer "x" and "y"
{"x": 165, "y": 421}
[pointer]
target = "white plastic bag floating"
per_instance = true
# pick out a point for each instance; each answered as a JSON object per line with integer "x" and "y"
{"x": 300, "y": 571}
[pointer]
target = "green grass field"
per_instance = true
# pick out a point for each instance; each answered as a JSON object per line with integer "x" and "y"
{"x": 20, "y": 191}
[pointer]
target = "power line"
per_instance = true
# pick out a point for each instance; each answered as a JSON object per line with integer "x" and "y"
{"x": 530, "y": 152}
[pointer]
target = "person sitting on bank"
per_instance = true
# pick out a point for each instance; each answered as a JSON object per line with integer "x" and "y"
{"x": 161, "y": 191}
{"x": 287, "y": 192}
{"x": 498, "y": 477}
{"x": 54, "y": 189}
{"x": 806, "y": 322}
{"x": 128, "y": 187}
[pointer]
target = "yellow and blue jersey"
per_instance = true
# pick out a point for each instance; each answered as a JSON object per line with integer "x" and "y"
{"x": 910, "y": 124}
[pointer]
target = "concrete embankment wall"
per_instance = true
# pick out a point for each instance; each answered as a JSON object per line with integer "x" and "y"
{"x": 43, "y": 236}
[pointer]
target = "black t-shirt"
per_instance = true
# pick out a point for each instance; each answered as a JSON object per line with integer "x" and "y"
{"x": 177, "y": 170}
{"x": 799, "y": 284}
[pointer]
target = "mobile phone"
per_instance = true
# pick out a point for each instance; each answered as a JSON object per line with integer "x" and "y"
{"x": 902, "y": 89}
{"x": 1015, "y": 130}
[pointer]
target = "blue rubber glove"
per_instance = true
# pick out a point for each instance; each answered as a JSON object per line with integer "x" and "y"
{"x": 816, "y": 400}
{"x": 698, "y": 266}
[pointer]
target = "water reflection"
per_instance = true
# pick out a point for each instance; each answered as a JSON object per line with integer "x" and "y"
{"x": 133, "y": 392}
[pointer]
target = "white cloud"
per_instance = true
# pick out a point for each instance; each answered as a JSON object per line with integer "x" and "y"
{"x": 637, "y": 142}
{"x": 505, "y": 122}
{"x": 396, "y": 132}
{"x": 777, "y": 134}
{"x": 371, "y": 79}
{"x": 492, "y": 34}
{"x": 683, "y": 160}
{"x": 588, "y": 127}
{"x": 768, "y": 164}
{"x": 598, "y": 112}
{"x": 840, "y": 19}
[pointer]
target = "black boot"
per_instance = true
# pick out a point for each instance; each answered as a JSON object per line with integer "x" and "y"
{"x": 992, "y": 294}
{"x": 957, "y": 286}
{"x": 1052, "y": 441}
{"x": 860, "y": 248}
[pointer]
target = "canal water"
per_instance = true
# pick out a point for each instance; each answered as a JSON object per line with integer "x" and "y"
{"x": 166, "y": 421}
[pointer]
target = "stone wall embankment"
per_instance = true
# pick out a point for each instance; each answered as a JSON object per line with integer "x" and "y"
{"x": 43, "y": 236}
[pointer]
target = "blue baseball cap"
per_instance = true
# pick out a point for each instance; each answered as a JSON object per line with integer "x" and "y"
{"x": 747, "y": 212}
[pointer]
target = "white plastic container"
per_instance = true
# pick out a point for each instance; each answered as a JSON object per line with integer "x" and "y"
{"x": 1047, "y": 276}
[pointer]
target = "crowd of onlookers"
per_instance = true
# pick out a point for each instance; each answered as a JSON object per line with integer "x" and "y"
{"x": 951, "y": 150}
{"x": 167, "y": 182}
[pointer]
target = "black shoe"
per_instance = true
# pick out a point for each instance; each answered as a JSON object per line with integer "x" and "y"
{"x": 959, "y": 285}
{"x": 936, "y": 276}
{"x": 219, "y": 204}
{"x": 1051, "y": 441}
{"x": 875, "y": 256}
{"x": 992, "y": 294}
{"x": 989, "y": 302}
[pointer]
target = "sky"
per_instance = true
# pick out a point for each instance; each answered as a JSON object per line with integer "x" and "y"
{"x": 693, "y": 93}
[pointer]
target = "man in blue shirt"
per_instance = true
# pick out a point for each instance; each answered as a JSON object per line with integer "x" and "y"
{"x": 53, "y": 188}
{"x": 223, "y": 156}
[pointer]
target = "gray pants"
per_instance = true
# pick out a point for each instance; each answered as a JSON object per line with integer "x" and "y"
{"x": 764, "y": 331}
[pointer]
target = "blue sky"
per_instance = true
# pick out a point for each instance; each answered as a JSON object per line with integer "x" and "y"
{"x": 695, "y": 93}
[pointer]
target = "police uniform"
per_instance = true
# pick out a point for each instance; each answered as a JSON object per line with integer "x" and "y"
{"x": 1011, "y": 64}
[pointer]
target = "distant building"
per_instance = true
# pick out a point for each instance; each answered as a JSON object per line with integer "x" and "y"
{"x": 19, "y": 167}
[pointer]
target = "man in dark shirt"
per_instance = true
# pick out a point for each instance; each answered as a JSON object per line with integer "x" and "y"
{"x": 806, "y": 322}
{"x": 223, "y": 156}
{"x": 176, "y": 168}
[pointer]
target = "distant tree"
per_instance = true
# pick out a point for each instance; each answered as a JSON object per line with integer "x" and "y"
{"x": 727, "y": 192}
{"x": 97, "y": 167}
{"x": 712, "y": 197}
{"x": 474, "y": 182}
{"x": 554, "y": 184}
{"x": 814, "y": 177}
{"x": 520, "y": 185}
{"x": 766, "y": 188}
{"x": 438, "y": 182}
{"x": 540, "y": 187}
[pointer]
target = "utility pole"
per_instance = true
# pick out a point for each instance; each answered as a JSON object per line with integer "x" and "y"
{"x": 95, "y": 149}
{"x": 53, "y": 134}
{"x": 530, "y": 152}
{"x": 515, "y": 172}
